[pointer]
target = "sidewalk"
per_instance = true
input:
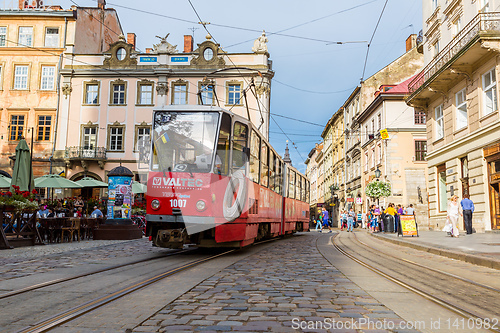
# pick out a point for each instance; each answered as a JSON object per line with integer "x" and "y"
{"x": 478, "y": 249}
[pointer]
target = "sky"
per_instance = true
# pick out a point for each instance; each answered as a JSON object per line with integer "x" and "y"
{"x": 314, "y": 75}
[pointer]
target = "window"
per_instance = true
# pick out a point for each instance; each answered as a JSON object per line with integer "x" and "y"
{"x": 115, "y": 141}
{"x": 373, "y": 126}
{"x": 264, "y": 167}
{"x": 51, "y": 37}
{"x": 121, "y": 54}
{"x": 372, "y": 158}
{"x": 379, "y": 121}
{"x": 442, "y": 200}
{"x": 3, "y": 36}
{"x": 254, "y": 157}
{"x": 291, "y": 184}
{"x": 43, "y": 128}
{"x": 420, "y": 150}
{"x": 89, "y": 137}
{"x": 438, "y": 111}
{"x": 240, "y": 136}
{"x": 48, "y": 74}
{"x": 234, "y": 94}
{"x": 91, "y": 93}
{"x": 16, "y": 127}
{"x": 207, "y": 94}
{"x": 461, "y": 109}
{"x": 490, "y": 92}
{"x": 272, "y": 171}
{"x": 366, "y": 161}
{"x": 25, "y": 36}
{"x": 419, "y": 117}
{"x": 367, "y": 133}
{"x": 142, "y": 138}
{"x": 457, "y": 26}
{"x": 435, "y": 48}
{"x": 485, "y": 6}
{"x": 223, "y": 146}
{"x": 380, "y": 153}
{"x": 179, "y": 95}
{"x": 119, "y": 91}
{"x": 145, "y": 94}
{"x": 21, "y": 77}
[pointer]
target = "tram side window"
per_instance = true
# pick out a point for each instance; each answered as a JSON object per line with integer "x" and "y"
{"x": 254, "y": 157}
{"x": 264, "y": 167}
{"x": 299, "y": 188}
{"x": 240, "y": 137}
{"x": 281, "y": 177}
{"x": 291, "y": 181}
{"x": 272, "y": 171}
{"x": 222, "y": 157}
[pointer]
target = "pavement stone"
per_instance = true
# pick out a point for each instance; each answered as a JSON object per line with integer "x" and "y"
{"x": 271, "y": 291}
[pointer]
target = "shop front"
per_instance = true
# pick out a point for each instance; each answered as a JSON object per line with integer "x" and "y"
{"x": 492, "y": 156}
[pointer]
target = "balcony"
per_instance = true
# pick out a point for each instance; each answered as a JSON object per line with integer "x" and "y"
{"x": 470, "y": 44}
{"x": 84, "y": 153}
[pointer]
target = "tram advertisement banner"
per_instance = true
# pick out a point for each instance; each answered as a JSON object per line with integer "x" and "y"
{"x": 408, "y": 225}
{"x": 119, "y": 197}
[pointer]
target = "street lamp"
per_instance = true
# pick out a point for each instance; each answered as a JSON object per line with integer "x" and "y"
{"x": 378, "y": 173}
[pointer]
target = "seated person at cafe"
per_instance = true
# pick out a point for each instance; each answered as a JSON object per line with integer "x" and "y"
{"x": 79, "y": 212}
{"x": 43, "y": 212}
{"x": 51, "y": 213}
{"x": 96, "y": 213}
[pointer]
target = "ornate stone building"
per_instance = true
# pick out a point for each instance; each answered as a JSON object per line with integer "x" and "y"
{"x": 458, "y": 92}
{"x": 106, "y": 112}
{"x": 34, "y": 41}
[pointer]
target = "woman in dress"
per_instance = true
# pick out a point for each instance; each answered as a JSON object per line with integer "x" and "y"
{"x": 454, "y": 212}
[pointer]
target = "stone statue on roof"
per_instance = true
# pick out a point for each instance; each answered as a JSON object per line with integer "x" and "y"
{"x": 260, "y": 44}
{"x": 164, "y": 46}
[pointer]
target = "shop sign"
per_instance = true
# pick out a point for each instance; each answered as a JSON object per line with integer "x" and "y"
{"x": 350, "y": 199}
{"x": 148, "y": 59}
{"x": 384, "y": 135}
{"x": 179, "y": 59}
{"x": 359, "y": 201}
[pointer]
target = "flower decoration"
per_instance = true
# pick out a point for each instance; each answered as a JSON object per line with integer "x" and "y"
{"x": 377, "y": 189}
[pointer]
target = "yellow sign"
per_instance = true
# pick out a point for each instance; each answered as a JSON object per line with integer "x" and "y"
{"x": 408, "y": 225}
{"x": 384, "y": 134}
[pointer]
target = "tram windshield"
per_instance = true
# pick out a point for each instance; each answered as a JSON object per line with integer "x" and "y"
{"x": 184, "y": 141}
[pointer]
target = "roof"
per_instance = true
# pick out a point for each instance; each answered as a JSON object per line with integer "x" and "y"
{"x": 401, "y": 88}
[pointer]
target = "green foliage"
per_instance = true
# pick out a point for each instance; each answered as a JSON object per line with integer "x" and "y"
{"x": 377, "y": 189}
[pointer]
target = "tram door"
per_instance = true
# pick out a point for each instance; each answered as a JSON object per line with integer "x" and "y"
{"x": 240, "y": 147}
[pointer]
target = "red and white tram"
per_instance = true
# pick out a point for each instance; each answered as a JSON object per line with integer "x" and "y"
{"x": 216, "y": 182}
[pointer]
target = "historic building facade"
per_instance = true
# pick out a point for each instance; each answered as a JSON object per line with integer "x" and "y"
{"x": 458, "y": 92}
{"x": 34, "y": 40}
{"x": 109, "y": 97}
{"x": 312, "y": 174}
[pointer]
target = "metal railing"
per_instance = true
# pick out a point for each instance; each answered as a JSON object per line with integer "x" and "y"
{"x": 482, "y": 22}
{"x": 96, "y": 153}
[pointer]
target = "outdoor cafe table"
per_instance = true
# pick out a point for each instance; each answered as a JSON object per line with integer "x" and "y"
{"x": 51, "y": 228}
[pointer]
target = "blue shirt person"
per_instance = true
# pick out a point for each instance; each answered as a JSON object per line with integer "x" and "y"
{"x": 467, "y": 209}
{"x": 467, "y": 204}
{"x": 96, "y": 212}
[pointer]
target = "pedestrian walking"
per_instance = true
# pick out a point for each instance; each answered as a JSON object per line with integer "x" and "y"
{"x": 467, "y": 209}
{"x": 359, "y": 220}
{"x": 364, "y": 220}
{"x": 454, "y": 211}
{"x": 325, "y": 219}
{"x": 350, "y": 220}
{"x": 376, "y": 214}
{"x": 343, "y": 220}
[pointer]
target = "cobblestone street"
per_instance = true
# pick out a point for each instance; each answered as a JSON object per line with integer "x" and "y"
{"x": 271, "y": 291}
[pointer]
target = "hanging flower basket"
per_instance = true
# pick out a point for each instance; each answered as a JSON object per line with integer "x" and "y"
{"x": 378, "y": 189}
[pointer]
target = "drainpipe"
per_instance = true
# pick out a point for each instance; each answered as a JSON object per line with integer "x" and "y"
{"x": 58, "y": 93}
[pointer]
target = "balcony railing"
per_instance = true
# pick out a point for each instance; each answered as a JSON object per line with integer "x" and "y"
{"x": 482, "y": 22}
{"x": 85, "y": 153}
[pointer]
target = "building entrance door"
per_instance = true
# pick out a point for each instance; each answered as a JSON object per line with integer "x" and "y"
{"x": 495, "y": 206}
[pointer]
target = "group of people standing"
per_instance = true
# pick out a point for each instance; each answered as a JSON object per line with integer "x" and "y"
{"x": 455, "y": 210}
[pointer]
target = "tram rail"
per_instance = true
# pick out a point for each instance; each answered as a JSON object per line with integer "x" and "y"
{"x": 428, "y": 282}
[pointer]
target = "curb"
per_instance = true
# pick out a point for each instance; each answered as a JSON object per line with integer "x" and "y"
{"x": 470, "y": 258}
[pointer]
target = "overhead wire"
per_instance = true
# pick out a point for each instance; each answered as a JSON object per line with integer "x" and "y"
{"x": 371, "y": 39}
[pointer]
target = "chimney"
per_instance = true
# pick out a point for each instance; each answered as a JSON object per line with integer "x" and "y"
{"x": 188, "y": 43}
{"x": 131, "y": 38}
{"x": 411, "y": 42}
{"x": 101, "y": 4}
{"x": 149, "y": 50}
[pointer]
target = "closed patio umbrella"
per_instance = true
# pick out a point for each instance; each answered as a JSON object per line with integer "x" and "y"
{"x": 138, "y": 188}
{"x": 4, "y": 181}
{"x": 91, "y": 182}
{"x": 22, "y": 174}
{"x": 55, "y": 181}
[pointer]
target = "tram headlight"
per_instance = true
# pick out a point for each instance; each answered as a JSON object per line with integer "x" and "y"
{"x": 201, "y": 205}
{"x": 155, "y": 204}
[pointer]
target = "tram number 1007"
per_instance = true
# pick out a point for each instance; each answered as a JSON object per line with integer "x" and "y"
{"x": 176, "y": 203}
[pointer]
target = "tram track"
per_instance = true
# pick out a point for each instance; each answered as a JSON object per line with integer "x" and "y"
{"x": 469, "y": 299}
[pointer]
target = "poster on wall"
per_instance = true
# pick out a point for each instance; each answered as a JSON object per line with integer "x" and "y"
{"x": 119, "y": 197}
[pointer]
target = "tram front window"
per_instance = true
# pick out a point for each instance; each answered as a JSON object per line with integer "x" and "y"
{"x": 184, "y": 141}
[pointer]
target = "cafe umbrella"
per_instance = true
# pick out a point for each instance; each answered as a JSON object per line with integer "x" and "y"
{"x": 138, "y": 188}
{"x": 22, "y": 174}
{"x": 91, "y": 182}
{"x": 55, "y": 181}
{"x": 4, "y": 181}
